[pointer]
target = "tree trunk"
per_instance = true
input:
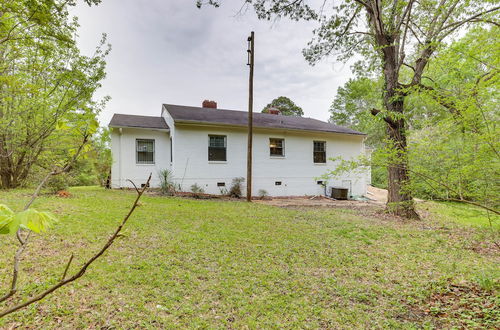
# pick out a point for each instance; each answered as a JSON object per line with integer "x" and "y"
{"x": 399, "y": 198}
{"x": 6, "y": 180}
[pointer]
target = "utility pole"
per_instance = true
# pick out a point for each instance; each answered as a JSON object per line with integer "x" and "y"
{"x": 250, "y": 62}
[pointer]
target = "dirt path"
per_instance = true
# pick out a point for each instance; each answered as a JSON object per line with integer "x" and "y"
{"x": 378, "y": 195}
{"x": 378, "y": 198}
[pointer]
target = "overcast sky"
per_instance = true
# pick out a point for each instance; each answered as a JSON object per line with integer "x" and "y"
{"x": 172, "y": 52}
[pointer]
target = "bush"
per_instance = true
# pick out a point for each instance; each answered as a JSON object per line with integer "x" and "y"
{"x": 197, "y": 190}
{"x": 57, "y": 183}
{"x": 235, "y": 190}
{"x": 167, "y": 184}
{"x": 263, "y": 193}
{"x": 84, "y": 179}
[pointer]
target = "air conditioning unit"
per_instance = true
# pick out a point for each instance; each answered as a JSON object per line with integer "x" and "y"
{"x": 339, "y": 193}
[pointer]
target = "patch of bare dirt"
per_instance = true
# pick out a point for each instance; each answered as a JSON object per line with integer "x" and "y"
{"x": 316, "y": 201}
{"x": 377, "y": 195}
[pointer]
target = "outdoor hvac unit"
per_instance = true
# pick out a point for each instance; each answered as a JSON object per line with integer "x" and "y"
{"x": 339, "y": 193}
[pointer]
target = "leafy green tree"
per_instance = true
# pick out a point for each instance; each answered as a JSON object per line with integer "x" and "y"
{"x": 46, "y": 88}
{"x": 20, "y": 18}
{"x": 457, "y": 146}
{"x": 453, "y": 144}
{"x": 401, "y": 37}
{"x": 352, "y": 105}
{"x": 286, "y": 106}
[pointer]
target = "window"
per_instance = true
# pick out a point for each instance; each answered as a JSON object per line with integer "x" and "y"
{"x": 145, "y": 151}
{"x": 277, "y": 147}
{"x": 319, "y": 153}
{"x": 277, "y": 183}
{"x": 217, "y": 148}
{"x": 221, "y": 184}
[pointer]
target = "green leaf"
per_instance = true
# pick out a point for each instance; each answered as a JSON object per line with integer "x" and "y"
{"x": 29, "y": 219}
{"x": 35, "y": 221}
{"x": 6, "y": 219}
{"x": 4, "y": 209}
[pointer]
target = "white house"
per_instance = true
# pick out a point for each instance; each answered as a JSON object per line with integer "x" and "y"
{"x": 208, "y": 146}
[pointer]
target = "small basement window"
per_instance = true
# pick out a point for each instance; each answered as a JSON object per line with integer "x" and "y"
{"x": 221, "y": 184}
{"x": 145, "y": 151}
{"x": 277, "y": 183}
{"x": 277, "y": 147}
{"x": 217, "y": 148}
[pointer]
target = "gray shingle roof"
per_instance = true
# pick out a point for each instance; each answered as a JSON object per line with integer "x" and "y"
{"x": 120, "y": 120}
{"x": 182, "y": 113}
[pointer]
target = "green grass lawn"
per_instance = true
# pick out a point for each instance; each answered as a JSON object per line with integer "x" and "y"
{"x": 463, "y": 214}
{"x": 225, "y": 264}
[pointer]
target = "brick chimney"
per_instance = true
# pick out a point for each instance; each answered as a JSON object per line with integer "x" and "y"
{"x": 273, "y": 111}
{"x": 209, "y": 104}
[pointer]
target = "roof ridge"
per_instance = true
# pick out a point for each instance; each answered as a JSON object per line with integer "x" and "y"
{"x": 263, "y": 120}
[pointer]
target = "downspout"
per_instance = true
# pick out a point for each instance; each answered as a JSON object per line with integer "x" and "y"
{"x": 120, "y": 131}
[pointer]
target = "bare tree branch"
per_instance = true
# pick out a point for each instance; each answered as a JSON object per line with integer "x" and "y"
{"x": 82, "y": 269}
{"x": 67, "y": 267}
{"x": 24, "y": 241}
{"x": 385, "y": 118}
{"x": 474, "y": 18}
{"x": 133, "y": 184}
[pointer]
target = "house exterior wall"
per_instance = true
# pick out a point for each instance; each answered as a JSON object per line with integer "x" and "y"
{"x": 296, "y": 170}
{"x": 123, "y": 148}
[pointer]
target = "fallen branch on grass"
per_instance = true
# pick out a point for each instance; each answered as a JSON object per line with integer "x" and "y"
{"x": 82, "y": 269}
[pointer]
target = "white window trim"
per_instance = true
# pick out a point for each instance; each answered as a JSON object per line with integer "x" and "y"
{"x": 326, "y": 154}
{"x": 283, "y": 147}
{"x": 136, "y": 152}
{"x": 225, "y": 147}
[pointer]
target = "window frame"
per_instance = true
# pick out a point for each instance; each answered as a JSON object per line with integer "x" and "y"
{"x": 137, "y": 151}
{"x": 225, "y": 148}
{"x": 282, "y": 148}
{"x": 314, "y": 152}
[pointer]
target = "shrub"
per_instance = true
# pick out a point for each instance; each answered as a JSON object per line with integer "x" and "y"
{"x": 235, "y": 190}
{"x": 197, "y": 190}
{"x": 263, "y": 193}
{"x": 57, "y": 183}
{"x": 167, "y": 184}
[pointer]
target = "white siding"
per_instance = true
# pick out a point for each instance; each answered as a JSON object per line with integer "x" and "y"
{"x": 296, "y": 170}
{"x": 124, "y": 158}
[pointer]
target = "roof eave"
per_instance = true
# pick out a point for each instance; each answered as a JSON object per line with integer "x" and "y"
{"x": 202, "y": 123}
{"x": 137, "y": 127}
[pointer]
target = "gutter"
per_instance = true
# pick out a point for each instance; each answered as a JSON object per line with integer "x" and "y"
{"x": 198, "y": 123}
{"x": 136, "y": 127}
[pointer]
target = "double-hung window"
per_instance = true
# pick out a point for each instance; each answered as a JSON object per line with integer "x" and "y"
{"x": 276, "y": 147}
{"x": 217, "y": 145}
{"x": 319, "y": 154}
{"x": 144, "y": 151}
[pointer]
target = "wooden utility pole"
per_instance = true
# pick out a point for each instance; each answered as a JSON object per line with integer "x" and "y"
{"x": 250, "y": 51}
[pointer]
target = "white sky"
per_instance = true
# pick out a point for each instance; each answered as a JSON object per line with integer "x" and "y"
{"x": 172, "y": 52}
